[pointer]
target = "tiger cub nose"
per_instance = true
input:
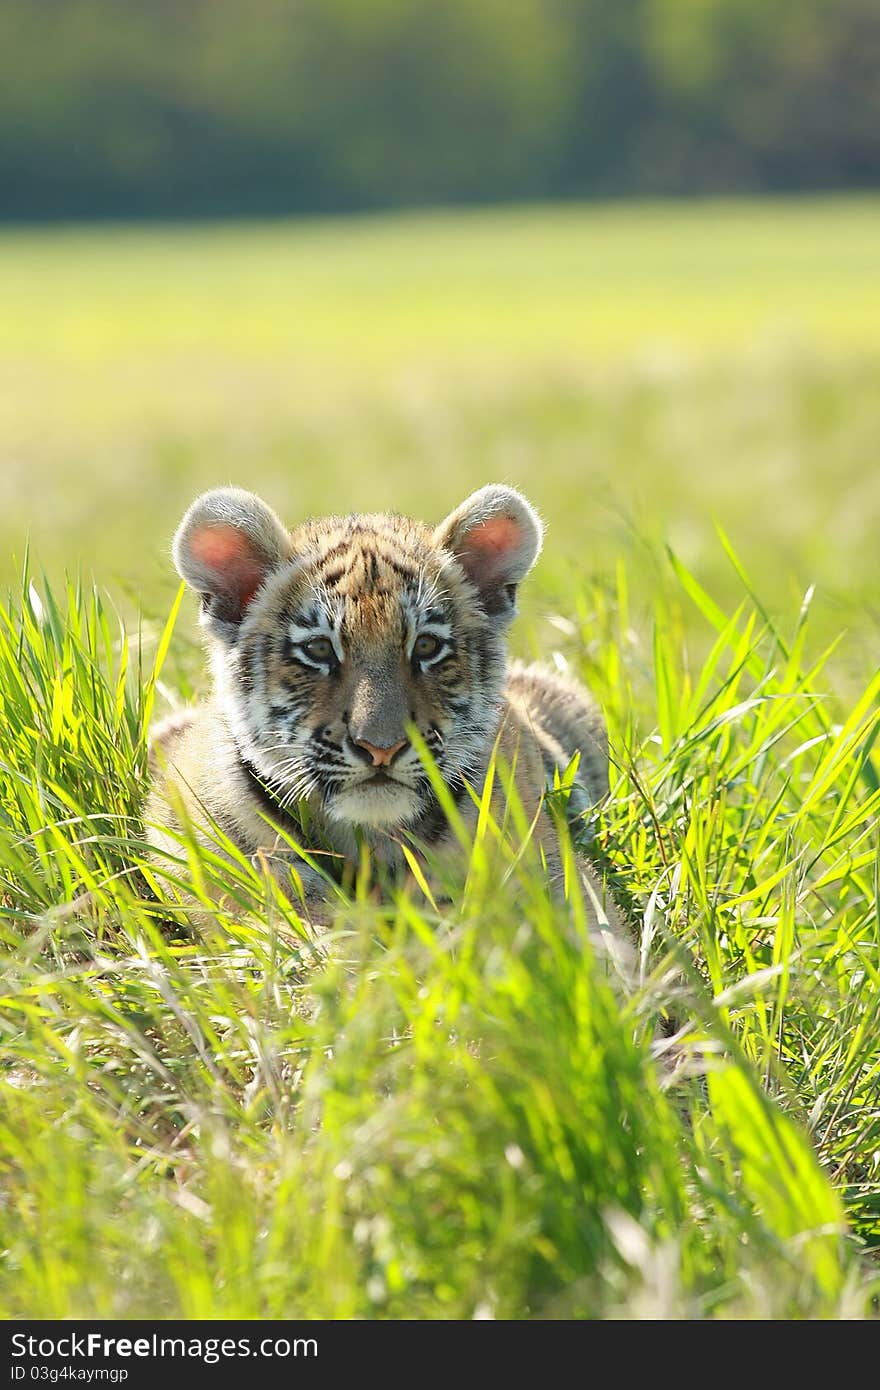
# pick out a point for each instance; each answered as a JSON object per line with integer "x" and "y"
{"x": 381, "y": 756}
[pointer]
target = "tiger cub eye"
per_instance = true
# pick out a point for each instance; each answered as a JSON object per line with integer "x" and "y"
{"x": 319, "y": 649}
{"x": 426, "y": 646}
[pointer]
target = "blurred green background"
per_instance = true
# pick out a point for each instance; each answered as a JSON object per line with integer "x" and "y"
{"x": 214, "y": 107}
{"x": 328, "y": 328}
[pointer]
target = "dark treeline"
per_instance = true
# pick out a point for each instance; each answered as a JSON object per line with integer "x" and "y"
{"x": 204, "y": 107}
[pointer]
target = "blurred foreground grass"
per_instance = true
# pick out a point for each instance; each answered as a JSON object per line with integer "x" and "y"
{"x": 637, "y": 370}
{"x": 445, "y": 1110}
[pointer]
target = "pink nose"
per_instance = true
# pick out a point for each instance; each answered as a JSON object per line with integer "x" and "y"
{"x": 381, "y": 756}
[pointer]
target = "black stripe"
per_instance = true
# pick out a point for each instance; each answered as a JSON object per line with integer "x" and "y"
{"x": 402, "y": 571}
{"x": 332, "y": 577}
{"x": 270, "y": 795}
{"x": 432, "y": 821}
{"x": 333, "y": 551}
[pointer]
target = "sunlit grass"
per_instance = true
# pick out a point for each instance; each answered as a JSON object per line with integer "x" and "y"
{"x": 444, "y": 1108}
{"x": 703, "y": 275}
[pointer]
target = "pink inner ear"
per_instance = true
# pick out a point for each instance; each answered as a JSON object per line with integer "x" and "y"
{"x": 228, "y": 552}
{"x": 495, "y": 537}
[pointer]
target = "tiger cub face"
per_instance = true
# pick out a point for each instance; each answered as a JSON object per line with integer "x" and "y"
{"x": 332, "y": 642}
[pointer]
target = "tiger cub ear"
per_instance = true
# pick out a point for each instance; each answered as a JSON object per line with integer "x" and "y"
{"x": 495, "y": 535}
{"x": 225, "y": 547}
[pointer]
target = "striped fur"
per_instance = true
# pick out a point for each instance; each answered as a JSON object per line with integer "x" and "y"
{"x": 339, "y": 637}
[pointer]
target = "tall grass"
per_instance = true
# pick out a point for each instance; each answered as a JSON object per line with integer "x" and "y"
{"x": 444, "y": 1109}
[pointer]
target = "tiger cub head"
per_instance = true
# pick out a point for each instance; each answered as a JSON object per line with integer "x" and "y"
{"x": 332, "y": 642}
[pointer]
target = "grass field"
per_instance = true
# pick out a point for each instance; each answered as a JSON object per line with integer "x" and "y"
{"x": 445, "y": 1111}
{"x": 639, "y": 371}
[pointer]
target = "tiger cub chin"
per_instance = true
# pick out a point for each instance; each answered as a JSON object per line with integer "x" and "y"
{"x": 330, "y": 643}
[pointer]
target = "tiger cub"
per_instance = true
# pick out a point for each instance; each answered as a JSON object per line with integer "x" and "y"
{"x": 330, "y": 644}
